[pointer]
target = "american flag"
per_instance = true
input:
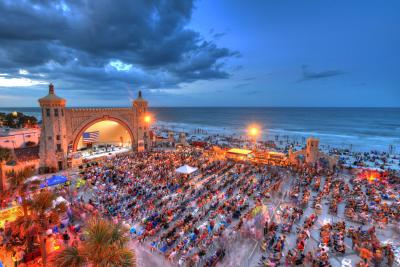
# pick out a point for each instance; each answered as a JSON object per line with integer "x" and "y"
{"x": 91, "y": 137}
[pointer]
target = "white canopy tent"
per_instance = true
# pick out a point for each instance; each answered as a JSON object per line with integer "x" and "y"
{"x": 186, "y": 169}
{"x": 59, "y": 200}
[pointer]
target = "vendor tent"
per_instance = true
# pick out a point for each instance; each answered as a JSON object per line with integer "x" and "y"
{"x": 32, "y": 179}
{"x": 54, "y": 180}
{"x": 60, "y": 199}
{"x": 186, "y": 169}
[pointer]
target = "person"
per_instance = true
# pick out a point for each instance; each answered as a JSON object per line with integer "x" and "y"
{"x": 309, "y": 258}
{"x": 390, "y": 258}
{"x": 378, "y": 257}
{"x": 65, "y": 237}
{"x": 17, "y": 256}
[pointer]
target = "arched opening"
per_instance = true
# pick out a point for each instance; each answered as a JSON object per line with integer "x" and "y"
{"x": 103, "y": 135}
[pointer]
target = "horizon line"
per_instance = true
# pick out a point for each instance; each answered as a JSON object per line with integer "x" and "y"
{"x": 122, "y": 106}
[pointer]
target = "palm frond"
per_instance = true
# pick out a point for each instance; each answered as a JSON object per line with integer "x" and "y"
{"x": 116, "y": 257}
{"x": 98, "y": 233}
{"x": 43, "y": 201}
{"x": 105, "y": 244}
{"x": 127, "y": 258}
{"x": 25, "y": 225}
{"x": 69, "y": 257}
{"x": 61, "y": 207}
{"x": 119, "y": 235}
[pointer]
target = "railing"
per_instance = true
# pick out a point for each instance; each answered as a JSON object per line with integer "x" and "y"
{"x": 99, "y": 109}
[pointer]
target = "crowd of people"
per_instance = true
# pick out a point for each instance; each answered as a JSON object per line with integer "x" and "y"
{"x": 188, "y": 219}
{"x": 185, "y": 218}
{"x": 195, "y": 219}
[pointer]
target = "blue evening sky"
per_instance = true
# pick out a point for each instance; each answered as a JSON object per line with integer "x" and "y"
{"x": 203, "y": 53}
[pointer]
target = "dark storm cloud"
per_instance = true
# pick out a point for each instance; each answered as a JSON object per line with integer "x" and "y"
{"x": 311, "y": 75}
{"x": 73, "y": 42}
{"x": 219, "y": 35}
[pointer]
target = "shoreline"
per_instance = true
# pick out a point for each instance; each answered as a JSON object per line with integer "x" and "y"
{"x": 370, "y": 159}
{"x": 356, "y": 129}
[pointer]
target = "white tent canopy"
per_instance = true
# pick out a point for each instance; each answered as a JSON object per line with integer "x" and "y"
{"x": 186, "y": 169}
{"x": 58, "y": 200}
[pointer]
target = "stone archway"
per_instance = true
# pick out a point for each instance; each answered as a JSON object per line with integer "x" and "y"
{"x": 78, "y": 135}
{"x": 62, "y": 127}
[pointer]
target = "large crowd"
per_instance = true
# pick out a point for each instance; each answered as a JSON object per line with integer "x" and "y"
{"x": 195, "y": 219}
{"x": 188, "y": 219}
{"x": 185, "y": 218}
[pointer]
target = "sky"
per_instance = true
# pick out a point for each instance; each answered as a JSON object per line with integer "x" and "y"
{"x": 304, "y": 53}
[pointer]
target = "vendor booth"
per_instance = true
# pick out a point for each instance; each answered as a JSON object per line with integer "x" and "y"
{"x": 54, "y": 180}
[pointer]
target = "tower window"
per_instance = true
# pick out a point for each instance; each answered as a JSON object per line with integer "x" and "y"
{"x": 58, "y": 137}
{"x": 56, "y": 112}
{"x": 58, "y": 147}
{"x": 62, "y": 112}
{"x": 49, "y": 138}
{"x": 47, "y": 112}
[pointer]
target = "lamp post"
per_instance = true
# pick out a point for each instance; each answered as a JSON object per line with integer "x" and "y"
{"x": 254, "y": 131}
{"x": 148, "y": 119}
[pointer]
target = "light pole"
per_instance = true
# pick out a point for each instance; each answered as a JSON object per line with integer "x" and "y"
{"x": 148, "y": 119}
{"x": 254, "y": 131}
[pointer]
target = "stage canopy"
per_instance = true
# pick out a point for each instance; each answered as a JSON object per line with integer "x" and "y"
{"x": 239, "y": 151}
{"x": 54, "y": 180}
{"x": 186, "y": 169}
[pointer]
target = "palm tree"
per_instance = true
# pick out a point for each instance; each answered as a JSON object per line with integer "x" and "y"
{"x": 5, "y": 154}
{"x": 41, "y": 217}
{"x": 105, "y": 245}
{"x": 70, "y": 256}
{"x": 18, "y": 183}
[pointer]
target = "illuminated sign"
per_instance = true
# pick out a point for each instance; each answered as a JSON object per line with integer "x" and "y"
{"x": 10, "y": 214}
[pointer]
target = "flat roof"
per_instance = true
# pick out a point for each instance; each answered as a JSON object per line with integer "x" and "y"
{"x": 239, "y": 151}
{"x": 276, "y": 153}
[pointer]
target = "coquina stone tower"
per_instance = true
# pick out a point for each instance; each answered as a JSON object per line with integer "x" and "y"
{"x": 140, "y": 106}
{"x": 53, "y": 138}
{"x": 312, "y": 150}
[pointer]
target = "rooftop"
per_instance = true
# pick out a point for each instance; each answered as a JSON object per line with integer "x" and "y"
{"x": 239, "y": 151}
{"x": 51, "y": 97}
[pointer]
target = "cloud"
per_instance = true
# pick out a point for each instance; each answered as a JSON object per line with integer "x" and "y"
{"x": 242, "y": 85}
{"x": 93, "y": 46}
{"x": 311, "y": 75}
{"x": 18, "y": 82}
{"x": 218, "y": 35}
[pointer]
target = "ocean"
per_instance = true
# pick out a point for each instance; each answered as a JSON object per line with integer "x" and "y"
{"x": 358, "y": 129}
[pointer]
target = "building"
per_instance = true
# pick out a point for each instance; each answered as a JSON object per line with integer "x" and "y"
{"x": 19, "y": 138}
{"x": 23, "y": 144}
{"x": 270, "y": 157}
{"x": 63, "y": 127}
{"x": 182, "y": 139}
{"x": 25, "y": 157}
{"x": 312, "y": 156}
